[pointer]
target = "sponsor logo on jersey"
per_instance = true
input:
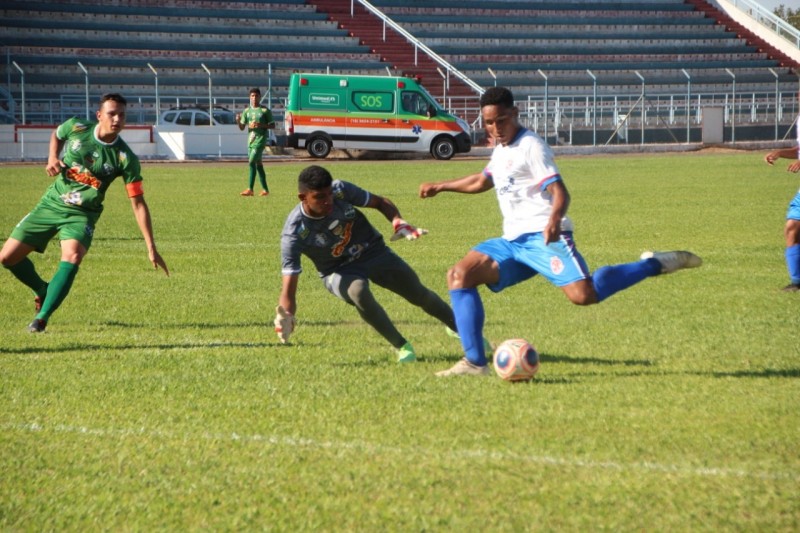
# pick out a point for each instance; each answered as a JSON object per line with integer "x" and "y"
{"x": 123, "y": 156}
{"x": 81, "y": 175}
{"x": 350, "y": 212}
{"x": 72, "y": 198}
{"x": 335, "y": 227}
{"x": 320, "y": 239}
{"x": 339, "y": 248}
{"x": 303, "y": 231}
{"x": 506, "y": 188}
{"x": 75, "y": 145}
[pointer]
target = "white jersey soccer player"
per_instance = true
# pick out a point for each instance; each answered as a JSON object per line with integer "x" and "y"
{"x": 521, "y": 172}
{"x": 537, "y": 234}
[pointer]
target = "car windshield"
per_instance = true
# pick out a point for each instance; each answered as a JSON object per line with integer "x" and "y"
{"x": 224, "y": 117}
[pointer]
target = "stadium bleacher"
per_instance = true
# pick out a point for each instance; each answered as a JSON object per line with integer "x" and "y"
{"x": 527, "y": 45}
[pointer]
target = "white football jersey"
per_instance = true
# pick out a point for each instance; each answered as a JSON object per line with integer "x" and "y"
{"x": 521, "y": 172}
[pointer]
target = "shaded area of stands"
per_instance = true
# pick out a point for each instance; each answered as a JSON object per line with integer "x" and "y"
{"x": 242, "y": 43}
{"x": 660, "y": 39}
{"x": 569, "y": 47}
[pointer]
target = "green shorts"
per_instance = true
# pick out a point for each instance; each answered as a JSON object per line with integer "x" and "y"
{"x": 44, "y": 222}
{"x": 255, "y": 152}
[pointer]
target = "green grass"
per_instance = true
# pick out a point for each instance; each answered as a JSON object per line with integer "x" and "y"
{"x": 157, "y": 403}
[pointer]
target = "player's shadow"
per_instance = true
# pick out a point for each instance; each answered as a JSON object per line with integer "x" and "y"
{"x": 767, "y": 373}
{"x": 552, "y": 358}
{"x": 105, "y": 348}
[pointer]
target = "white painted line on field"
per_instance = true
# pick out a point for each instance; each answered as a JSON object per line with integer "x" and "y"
{"x": 490, "y": 455}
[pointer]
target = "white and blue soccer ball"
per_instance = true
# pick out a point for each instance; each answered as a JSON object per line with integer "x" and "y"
{"x": 516, "y": 360}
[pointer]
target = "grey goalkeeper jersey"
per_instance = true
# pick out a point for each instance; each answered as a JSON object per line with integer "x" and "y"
{"x": 333, "y": 241}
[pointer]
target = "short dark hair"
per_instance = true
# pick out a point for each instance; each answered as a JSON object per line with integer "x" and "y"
{"x": 114, "y": 97}
{"x": 255, "y": 90}
{"x": 497, "y": 96}
{"x": 314, "y": 178}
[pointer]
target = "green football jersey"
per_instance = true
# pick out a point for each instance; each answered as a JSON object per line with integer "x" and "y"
{"x": 91, "y": 166}
{"x": 263, "y": 117}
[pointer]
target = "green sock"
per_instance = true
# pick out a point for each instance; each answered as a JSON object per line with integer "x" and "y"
{"x": 262, "y": 177}
{"x": 26, "y": 273}
{"x": 252, "y": 176}
{"x": 58, "y": 289}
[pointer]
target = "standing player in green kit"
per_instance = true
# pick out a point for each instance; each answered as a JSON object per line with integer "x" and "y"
{"x": 94, "y": 156}
{"x": 258, "y": 120}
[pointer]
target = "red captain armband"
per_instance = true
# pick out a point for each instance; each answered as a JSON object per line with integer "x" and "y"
{"x": 134, "y": 189}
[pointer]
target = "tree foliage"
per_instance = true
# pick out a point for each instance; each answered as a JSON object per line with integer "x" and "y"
{"x": 792, "y": 16}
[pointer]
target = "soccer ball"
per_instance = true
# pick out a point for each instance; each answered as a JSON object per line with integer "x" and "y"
{"x": 516, "y": 360}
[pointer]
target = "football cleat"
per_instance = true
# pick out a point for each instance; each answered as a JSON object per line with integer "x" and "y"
{"x": 792, "y": 287}
{"x": 264, "y": 193}
{"x": 674, "y": 261}
{"x": 464, "y": 368}
{"x": 406, "y": 354}
{"x": 37, "y": 326}
{"x": 246, "y": 192}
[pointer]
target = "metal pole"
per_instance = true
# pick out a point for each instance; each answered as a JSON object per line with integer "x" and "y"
{"x": 22, "y": 86}
{"x": 594, "y": 107}
{"x": 776, "y": 101}
{"x": 158, "y": 102}
{"x": 444, "y": 87}
{"x": 210, "y": 106}
{"x": 546, "y": 96}
{"x": 643, "y": 117}
{"x": 86, "y": 74}
{"x": 491, "y": 72}
{"x": 269, "y": 85}
{"x": 688, "y": 104}
{"x": 733, "y": 106}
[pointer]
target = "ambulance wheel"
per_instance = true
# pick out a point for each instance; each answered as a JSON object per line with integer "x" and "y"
{"x": 318, "y": 147}
{"x": 443, "y": 148}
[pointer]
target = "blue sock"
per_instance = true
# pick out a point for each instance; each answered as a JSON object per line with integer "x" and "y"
{"x": 793, "y": 262}
{"x": 609, "y": 280}
{"x": 469, "y": 314}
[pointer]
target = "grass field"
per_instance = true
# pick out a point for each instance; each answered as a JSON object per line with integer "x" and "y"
{"x": 157, "y": 403}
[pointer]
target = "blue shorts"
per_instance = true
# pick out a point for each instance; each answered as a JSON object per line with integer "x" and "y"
{"x": 794, "y": 208}
{"x": 527, "y": 255}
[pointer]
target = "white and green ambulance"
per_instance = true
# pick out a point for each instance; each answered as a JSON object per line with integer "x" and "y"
{"x": 326, "y": 111}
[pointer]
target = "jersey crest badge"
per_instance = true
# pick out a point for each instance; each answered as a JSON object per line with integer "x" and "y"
{"x": 556, "y": 265}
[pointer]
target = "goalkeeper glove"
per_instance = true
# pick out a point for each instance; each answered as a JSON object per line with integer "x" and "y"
{"x": 403, "y": 229}
{"x": 284, "y": 323}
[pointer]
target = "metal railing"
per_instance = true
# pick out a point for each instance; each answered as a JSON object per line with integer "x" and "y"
{"x": 418, "y": 45}
{"x": 769, "y": 19}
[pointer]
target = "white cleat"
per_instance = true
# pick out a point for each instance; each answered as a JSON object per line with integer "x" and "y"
{"x": 464, "y": 368}
{"x": 673, "y": 261}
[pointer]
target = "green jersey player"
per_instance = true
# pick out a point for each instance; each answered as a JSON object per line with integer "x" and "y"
{"x": 94, "y": 156}
{"x": 258, "y": 120}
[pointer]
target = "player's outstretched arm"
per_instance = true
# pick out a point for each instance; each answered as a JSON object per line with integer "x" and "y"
{"x": 402, "y": 229}
{"x": 472, "y": 184}
{"x": 142, "y": 214}
{"x": 788, "y": 153}
{"x": 285, "y": 322}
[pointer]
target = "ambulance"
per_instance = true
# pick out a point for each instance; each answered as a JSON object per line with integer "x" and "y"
{"x": 327, "y": 111}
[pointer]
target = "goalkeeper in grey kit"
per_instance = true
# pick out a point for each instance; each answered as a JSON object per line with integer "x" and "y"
{"x": 349, "y": 253}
